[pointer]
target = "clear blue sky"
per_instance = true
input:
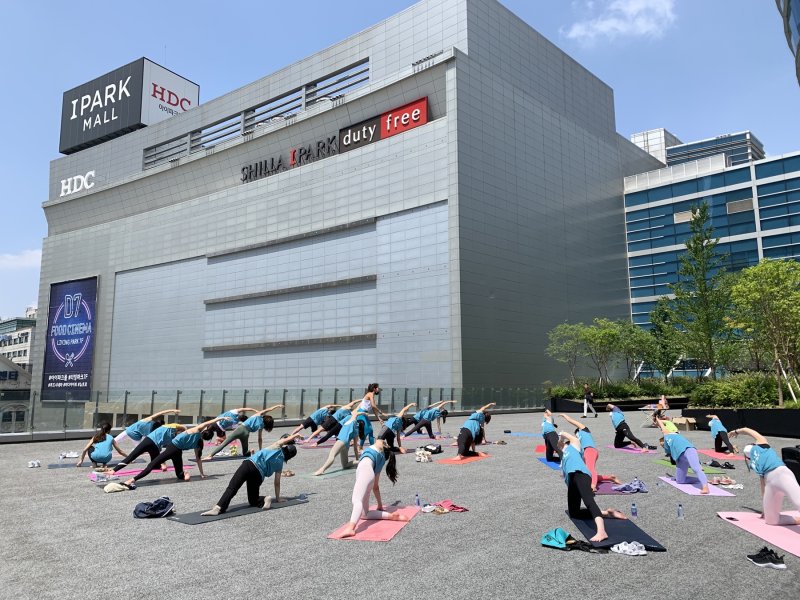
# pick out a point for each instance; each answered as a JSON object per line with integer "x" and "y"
{"x": 698, "y": 68}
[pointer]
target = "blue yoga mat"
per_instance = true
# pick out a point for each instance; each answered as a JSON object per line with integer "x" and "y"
{"x": 556, "y": 466}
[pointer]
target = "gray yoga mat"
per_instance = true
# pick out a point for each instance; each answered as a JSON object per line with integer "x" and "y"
{"x": 328, "y": 474}
{"x": 195, "y": 518}
{"x": 86, "y": 465}
{"x": 146, "y": 482}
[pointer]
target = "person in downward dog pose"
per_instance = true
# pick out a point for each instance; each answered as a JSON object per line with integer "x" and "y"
{"x": 684, "y": 455}
{"x": 550, "y": 438}
{"x": 152, "y": 443}
{"x": 777, "y": 480}
{"x": 331, "y": 425}
{"x": 253, "y": 471}
{"x": 471, "y": 433}
{"x": 258, "y": 422}
{"x": 623, "y": 430}
{"x": 424, "y": 418}
{"x": 231, "y": 419}
{"x": 579, "y": 481}
{"x": 720, "y": 436}
{"x": 347, "y": 435}
{"x": 589, "y": 452}
{"x": 368, "y": 474}
{"x": 315, "y": 419}
{"x": 392, "y": 428}
{"x": 136, "y": 431}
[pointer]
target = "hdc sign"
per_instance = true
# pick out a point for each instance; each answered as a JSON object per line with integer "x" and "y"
{"x": 170, "y": 97}
{"x": 393, "y": 122}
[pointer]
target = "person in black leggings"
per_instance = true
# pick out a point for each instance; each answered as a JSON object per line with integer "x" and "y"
{"x": 623, "y": 430}
{"x": 471, "y": 434}
{"x": 146, "y": 444}
{"x": 424, "y": 418}
{"x": 550, "y": 438}
{"x": 579, "y": 487}
{"x": 333, "y": 424}
{"x": 392, "y": 427}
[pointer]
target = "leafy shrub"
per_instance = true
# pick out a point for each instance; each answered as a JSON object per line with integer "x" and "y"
{"x": 653, "y": 387}
{"x": 746, "y": 390}
{"x": 564, "y": 391}
{"x": 683, "y": 385}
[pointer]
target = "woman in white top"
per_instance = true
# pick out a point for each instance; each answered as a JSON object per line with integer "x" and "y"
{"x": 368, "y": 405}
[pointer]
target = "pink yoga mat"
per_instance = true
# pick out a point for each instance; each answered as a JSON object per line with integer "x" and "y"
{"x": 133, "y": 472}
{"x": 693, "y": 489}
{"x": 719, "y": 455}
{"x": 630, "y": 450}
{"x": 463, "y": 461}
{"x": 540, "y": 448}
{"x": 381, "y": 530}
{"x": 785, "y": 537}
{"x": 604, "y": 489}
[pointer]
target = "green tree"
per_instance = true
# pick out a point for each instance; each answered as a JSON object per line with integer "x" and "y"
{"x": 665, "y": 348}
{"x": 633, "y": 344}
{"x": 766, "y": 308}
{"x": 600, "y": 343}
{"x": 565, "y": 345}
{"x": 702, "y": 296}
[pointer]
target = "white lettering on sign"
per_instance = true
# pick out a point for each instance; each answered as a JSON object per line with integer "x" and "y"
{"x": 70, "y": 185}
{"x": 100, "y": 99}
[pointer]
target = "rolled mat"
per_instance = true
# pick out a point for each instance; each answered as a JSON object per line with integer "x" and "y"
{"x": 692, "y": 487}
{"x": 556, "y": 466}
{"x": 195, "y": 518}
{"x": 463, "y": 461}
{"x": 618, "y": 530}
{"x": 706, "y": 470}
{"x": 630, "y": 449}
{"x": 719, "y": 455}
{"x": 379, "y": 530}
{"x": 221, "y": 458}
{"x": 785, "y": 537}
{"x": 605, "y": 488}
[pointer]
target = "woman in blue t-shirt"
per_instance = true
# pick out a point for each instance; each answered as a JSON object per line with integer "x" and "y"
{"x": 315, "y": 419}
{"x": 684, "y": 456}
{"x": 720, "y": 436}
{"x": 257, "y": 422}
{"x": 550, "y": 438}
{"x": 138, "y": 429}
{"x": 623, "y": 430}
{"x": 472, "y": 433}
{"x": 392, "y": 427}
{"x": 333, "y": 423}
{"x": 579, "y": 486}
{"x": 777, "y": 480}
{"x": 368, "y": 475}
{"x": 99, "y": 447}
{"x": 424, "y": 418}
{"x": 348, "y": 434}
{"x": 254, "y": 471}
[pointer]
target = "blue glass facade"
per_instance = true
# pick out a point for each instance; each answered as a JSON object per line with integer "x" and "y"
{"x": 755, "y": 211}
{"x": 790, "y": 11}
{"x": 738, "y": 148}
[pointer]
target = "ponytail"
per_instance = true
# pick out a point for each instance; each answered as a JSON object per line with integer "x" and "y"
{"x": 391, "y": 467}
{"x": 444, "y": 416}
{"x": 101, "y": 433}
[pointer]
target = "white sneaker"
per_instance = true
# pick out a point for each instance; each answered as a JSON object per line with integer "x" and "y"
{"x": 31, "y": 464}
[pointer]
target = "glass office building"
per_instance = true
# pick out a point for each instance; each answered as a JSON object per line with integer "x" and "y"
{"x": 656, "y": 142}
{"x": 755, "y": 211}
{"x": 416, "y": 205}
{"x": 738, "y": 148}
{"x": 790, "y": 11}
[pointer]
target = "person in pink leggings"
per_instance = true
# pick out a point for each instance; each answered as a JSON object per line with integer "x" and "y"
{"x": 589, "y": 452}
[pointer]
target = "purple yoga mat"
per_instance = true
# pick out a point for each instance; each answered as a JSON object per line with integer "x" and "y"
{"x": 693, "y": 487}
{"x": 604, "y": 489}
{"x": 629, "y": 450}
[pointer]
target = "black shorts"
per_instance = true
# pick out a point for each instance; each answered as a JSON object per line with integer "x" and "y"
{"x": 309, "y": 424}
{"x": 329, "y": 423}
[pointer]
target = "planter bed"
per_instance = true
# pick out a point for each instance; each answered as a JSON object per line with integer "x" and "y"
{"x": 783, "y": 422}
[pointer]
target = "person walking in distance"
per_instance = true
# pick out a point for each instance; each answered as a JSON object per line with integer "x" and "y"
{"x": 588, "y": 400}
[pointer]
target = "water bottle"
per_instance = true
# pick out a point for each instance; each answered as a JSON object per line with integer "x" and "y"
{"x": 680, "y": 511}
{"x": 416, "y": 500}
{"x": 634, "y": 510}
{"x": 302, "y": 496}
{"x": 60, "y": 458}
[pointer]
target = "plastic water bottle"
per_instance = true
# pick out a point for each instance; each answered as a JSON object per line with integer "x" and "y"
{"x": 680, "y": 511}
{"x": 60, "y": 458}
{"x": 416, "y": 500}
{"x": 634, "y": 510}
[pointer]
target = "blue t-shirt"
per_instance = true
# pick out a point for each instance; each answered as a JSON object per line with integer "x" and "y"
{"x": 478, "y": 416}
{"x": 348, "y": 432}
{"x": 716, "y": 427}
{"x": 254, "y": 423}
{"x": 394, "y": 424}
{"x": 230, "y": 421}
{"x": 378, "y": 460}
{"x": 473, "y": 427}
{"x": 186, "y": 441}
{"x": 419, "y": 415}
{"x": 586, "y": 439}
{"x": 139, "y": 429}
{"x": 102, "y": 450}
{"x": 616, "y": 417}
{"x": 342, "y": 415}
{"x": 571, "y": 462}
{"x": 547, "y": 427}
{"x": 162, "y": 435}
{"x": 318, "y": 416}
{"x": 763, "y": 460}
{"x": 431, "y": 414}
{"x": 675, "y": 445}
{"x": 268, "y": 461}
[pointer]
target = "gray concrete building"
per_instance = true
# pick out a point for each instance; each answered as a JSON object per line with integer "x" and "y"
{"x": 246, "y": 244}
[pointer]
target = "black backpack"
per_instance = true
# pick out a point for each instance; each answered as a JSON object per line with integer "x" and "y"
{"x": 159, "y": 508}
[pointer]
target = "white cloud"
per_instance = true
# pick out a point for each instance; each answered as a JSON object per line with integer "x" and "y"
{"x": 623, "y": 18}
{"x": 27, "y": 259}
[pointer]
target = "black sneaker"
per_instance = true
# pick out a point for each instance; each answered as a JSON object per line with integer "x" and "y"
{"x": 766, "y": 558}
{"x": 715, "y": 464}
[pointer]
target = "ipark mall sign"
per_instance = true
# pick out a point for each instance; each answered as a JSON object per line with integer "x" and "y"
{"x": 126, "y": 99}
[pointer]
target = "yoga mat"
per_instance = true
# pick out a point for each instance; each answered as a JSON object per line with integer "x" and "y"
{"x": 453, "y": 461}
{"x": 618, "y": 531}
{"x": 380, "y": 530}
{"x": 425, "y": 435}
{"x": 194, "y": 518}
{"x": 85, "y": 465}
{"x": 556, "y": 466}
{"x": 785, "y": 537}
{"x": 525, "y": 434}
{"x": 540, "y": 448}
{"x": 329, "y": 474}
{"x": 706, "y": 470}
{"x": 719, "y": 455}
{"x": 152, "y": 482}
{"x": 133, "y": 472}
{"x": 604, "y": 489}
{"x": 693, "y": 487}
{"x": 310, "y": 447}
{"x": 221, "y": 458}
{"x": 629, "y": 450}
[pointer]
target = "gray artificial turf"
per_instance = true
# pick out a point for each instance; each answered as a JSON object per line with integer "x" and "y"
{"x": 63, "y": 539}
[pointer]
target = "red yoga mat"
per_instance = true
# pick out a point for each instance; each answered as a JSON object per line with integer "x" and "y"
{"x": 540, "y": 448}
{"x": 785, "y": 537}
{"x": 719, "y": 455}
{"x": 380, "y": 530}
{"x": 463, "y": 461}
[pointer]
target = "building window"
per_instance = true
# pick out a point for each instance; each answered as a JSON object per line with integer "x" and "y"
{"x": 740, "y": 206}
{"x": 682, "y": 217}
